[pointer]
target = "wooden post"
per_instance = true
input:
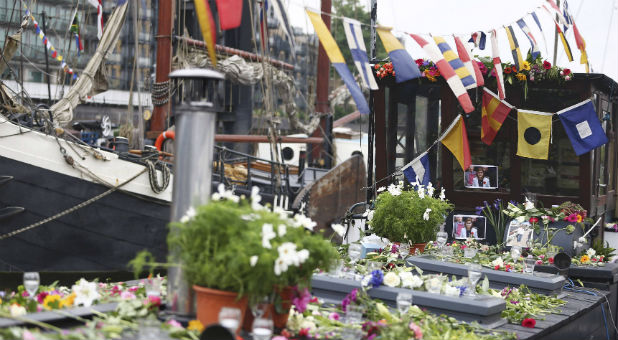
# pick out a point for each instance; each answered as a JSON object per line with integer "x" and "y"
{"x": 164, "y": 64}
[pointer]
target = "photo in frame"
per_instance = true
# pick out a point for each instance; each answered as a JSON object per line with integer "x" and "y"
{"x": 480, "y": 176}
{"x": 519, "y": 234}
{"x": 469, "y": 226}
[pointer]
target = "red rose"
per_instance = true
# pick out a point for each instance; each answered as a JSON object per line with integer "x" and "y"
{"x": 507, "y": 70}
{"x": 305, "y": 332}
{"x": 514, "y": 69}
{"x": 529, "y": 322}
{"x": 534, "y": 219}
{"x": 419, "y": 62}
{"x": 566, "y": 71}
{"x": 550, "y": 260}
{"x": 497, "y": 267}
{"x": 377, "y": 66}
{"x": 546, "y": 65}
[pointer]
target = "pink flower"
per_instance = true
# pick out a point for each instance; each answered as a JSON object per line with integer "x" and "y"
{"x": 418, "y": 333}
{"x": 334, "y": 316}
{"x": 539, "y": 261}
{"x": 301, "y": 299}
{"x": 279, "y": 337}
{"x": 174, "y": 323}
{"x": 153, "y": 300}
{"x": 27, "y": 335}
{"x": 127, "y": 296}
{"x": 133, "y": 289}
{"x": 482, "y": 67}
{"x": 541, "y": 256}
{"x": 41, "y": 296}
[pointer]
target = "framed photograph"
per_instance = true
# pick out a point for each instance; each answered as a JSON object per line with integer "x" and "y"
{"x": 469, "y": 226}
{"x": 480, "y": 176}
{"x": 519, "y": 234}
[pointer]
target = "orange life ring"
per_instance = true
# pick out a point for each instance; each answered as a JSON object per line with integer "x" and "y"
{"x": 169, "y": 134}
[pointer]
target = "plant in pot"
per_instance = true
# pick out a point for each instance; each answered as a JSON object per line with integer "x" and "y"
{"x": 411, "y": 216}
{"x": 234, "y": 250}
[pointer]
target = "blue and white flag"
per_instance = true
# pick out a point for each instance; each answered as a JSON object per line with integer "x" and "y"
{"x": 478, "y": 38}
{"x": 354, "y": 35}
{"x": 538, "y": 23}
{"x": 583, "y": 127}
{"x": 534, "y": 49}
{"x": 417, "y": 171}
{"x": 567, "y": 16}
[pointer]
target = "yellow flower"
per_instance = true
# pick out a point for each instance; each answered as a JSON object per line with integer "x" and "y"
{"x": 0, "y": 301}
{"x": 584, "y": 259}
{"x": 579, "y": 218}
{"x": 521, "y": 76}
{"x": 67, "y": 301}
{"x": 52, "y": 301}
{"x": 525, "y": 66}
{"x": 195, "y": 325}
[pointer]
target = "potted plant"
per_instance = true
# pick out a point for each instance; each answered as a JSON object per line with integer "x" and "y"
{"x": 411, "y": 216}
{"x": 234, "y": 250}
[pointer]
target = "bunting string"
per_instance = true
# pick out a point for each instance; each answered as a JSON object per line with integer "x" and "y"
{"x": 48, "y": 45}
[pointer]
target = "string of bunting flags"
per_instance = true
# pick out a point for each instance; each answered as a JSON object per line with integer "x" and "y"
{"x": 534, "y": 130}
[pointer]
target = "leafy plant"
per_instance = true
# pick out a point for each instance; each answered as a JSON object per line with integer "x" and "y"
{"x": 409, "y": 215}
{"x": 603, "y": 249}
{"x": 496, "y": 215}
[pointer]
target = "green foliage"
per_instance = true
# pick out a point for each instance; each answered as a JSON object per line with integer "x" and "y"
{"x": 603, "y": 249}
{"x": 400, "y": 217}
{"x": 522, "y": 303}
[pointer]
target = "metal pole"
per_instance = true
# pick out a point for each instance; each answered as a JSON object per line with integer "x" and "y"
{"x": 556, "y": 37}
{"x": 194, "y": 145}
{"x": 371, "y": 132}
{"x": 46, "y": 63}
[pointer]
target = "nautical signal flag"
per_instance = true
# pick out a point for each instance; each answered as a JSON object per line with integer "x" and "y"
{"x": 405, "y": 67}
{"x": 446, "y": 70}
{"x": 493, "y": 114}
{"x": 472, "y": 66}
{"x": 565, "y": 43}
{"x": 455, "y": 138}
{"x": 354, "y": 35}
{"x": 417, "y": 171}
{"x": 207, "y": 26}
{"x": 583, "y": 127}
{"x": 581, "y": 44}
{"x": 533, "y": 134}
{"x": 538, "y": 24}
{"x": 534, "y": 49}
{"x": 478, "y": 38}
{"x": 495, "y": 54}
{"x": 460, "y": 69}
{"x": 230, "y": 13}
{"x": 336, "y": 58}
{"x": 517, "y": 59}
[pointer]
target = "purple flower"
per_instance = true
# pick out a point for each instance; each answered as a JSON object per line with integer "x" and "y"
{"x": 301, "y": 299}
{"x": 514, "y": 302}
{"x": 425, "y": 63}
{"x": 344, "y": 304}
{"x": 376, "y": 278}
{"x": 479, "y": 210}
{"x": 334, "y": 316}
{"x": 497, "y": 203}
{"x": 353, "y": 295}
{"x": 394, "y": 249}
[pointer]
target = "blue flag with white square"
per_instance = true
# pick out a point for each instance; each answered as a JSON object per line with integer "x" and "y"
{"x": 417, "y": 171}
{"x": 583, "y": 127}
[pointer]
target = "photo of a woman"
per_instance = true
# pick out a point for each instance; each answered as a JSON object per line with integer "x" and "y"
{"x": 481, "y": 177}
{"x": 480, "y": 180}
{"x": 469, "y": 226}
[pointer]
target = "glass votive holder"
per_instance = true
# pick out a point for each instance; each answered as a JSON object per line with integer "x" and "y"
{"x": 469, "y": 252}
{"x": 434, "y": 284}
{"x": 529, "y": 266}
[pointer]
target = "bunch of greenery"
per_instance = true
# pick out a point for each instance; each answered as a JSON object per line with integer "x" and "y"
{"x": 409, "y": 215}
{"x": 496, "y": 215}
{"x": 237, "y": 245}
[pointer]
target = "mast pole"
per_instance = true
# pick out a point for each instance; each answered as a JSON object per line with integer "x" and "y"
{"x": 556, "y": 36}
{"x": 158, "y": 123}
{"x": 323, "y": 75}
{"x": 46, "y": 63}
{"x": 372, "y": 117}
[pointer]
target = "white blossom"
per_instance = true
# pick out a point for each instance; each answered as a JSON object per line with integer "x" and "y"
{"x": 287, "y": 252}
{"x": 498, "y": 262}
{"x": 17, "y": 310}
{"x": 442, "y": 194}
{"x": 394, "y": 190}
{"x": 225, "y": 194}
{"x": 408, "y": 280}
{"x": 303, "y": 255}
{"x": 253, "y": 260}
{"x": 528, "y": 205}
{"x": 301, "y": 220}
{"x": 380, "y": 189}
{"x": 281, "y": 230}
{"x": 280, "y": 266}
{"x": 267, "y": 235}
{"x": 189, "y": 215}
{"x": 430, "y": 189}
{"x": 451, "y": 291}
{"x": 421, "y": 192}
{"x": 255, "y": 199}
{"x": 426, "y": 214}
{"x": 339, "y": 229}
{"x": 85, "y": 293}
{"x": 283, "y": 214}
{"x": 591, "y": 252}
{"x": 392, "y": 280}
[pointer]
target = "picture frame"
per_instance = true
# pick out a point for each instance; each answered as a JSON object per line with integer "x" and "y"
{"x": 519, "y": 234}
{"x": 466, "y": 226}
{"x": 481, "y": 176}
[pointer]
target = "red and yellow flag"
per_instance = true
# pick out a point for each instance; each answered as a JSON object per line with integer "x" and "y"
{"x": 455, "y": 138}
{"x": 207, "y": 26}
{"x": 494, "y": 113}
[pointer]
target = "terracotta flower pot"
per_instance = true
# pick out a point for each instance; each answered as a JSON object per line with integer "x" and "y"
{"x": 280, "y": 320}
{"x": 417, "y": 248}
{"x": 210, "y": 302}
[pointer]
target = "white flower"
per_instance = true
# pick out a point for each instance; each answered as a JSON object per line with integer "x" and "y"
{"x": 365, "y": 280}
{"x": 225, "y": 194}
{"x": 287, "y": 252}
{"x": 301, "y": 220}
{"x": 498, "y": 262}
{"x": 303, "y": 255}
{"x": 521, "y": 219}
{"x": 370, "y": 215}
{"x": 426, "y": 214}
{"x": 280, "y": 266}
{"x": 189, "y": 215}
{"x": 267, "y": 235}
{"x": 442, "y": 195}
{"x": 380, "y": 189}
{"x": 451, "y": 291}
{"x": 528, "y": 205}
{"x": 339, "y": 229}
{"x": 408, "y": 280}
{"x": 392, "y": 280}
{"x": 255, "y": 199}
{"x": 394, "y": 190}
{"x": 17, "y": 310}
{"x": 253, "y": 260}
{"x": 582, "y": 240}
{"x": 591, "y": 252}
{"x": 283, "y": 214}
{"x": 281, "y": 230}
{"x": 85, "y": 293}
{"x": 430, "y": 189}
{"x": 421, "y": 192}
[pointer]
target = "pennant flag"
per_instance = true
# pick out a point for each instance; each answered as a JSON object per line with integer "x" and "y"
{"x": 556, "y": 10}
{"x": 455, "y": 138}
{"x": 567, "y": 16}
{"x": 517, "y": 59}
{"x": 495, "y": 54}
{"x": 99, "y": 6}
{"x": 583, "y": 127}
{"x": 336, "y": 58}
{"x": 460, "y": 69}
{"x": 493, "y": 114}
{"x": 534, "y": 49}
{"x": 565, "y": 43}
{"x": 533, "y": 134}
{"x": 354, "y": 35}
{"x": 405, "y": 67}
{"x": 581, "y": 44}
{"x": 447, "y": 71}
{"x": 538, "y": 23}
{"x": 207, "y": 26}
{"x": 462, "y": 51}
{"x": 75, "y": 30}
{"x": 283, "y": 19}
{"x": 417, "y": 171}
{"x": 230, "y": 13}
{"x": 478, "y": 38}
{"x": 478, "y": 75}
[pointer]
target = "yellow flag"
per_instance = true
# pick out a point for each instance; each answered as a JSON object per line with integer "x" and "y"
{"x": 455, "y": 138}
{"x": 207, "y": 26}
{"x": 533, "y": 134}
{"x": 327, "y": 40}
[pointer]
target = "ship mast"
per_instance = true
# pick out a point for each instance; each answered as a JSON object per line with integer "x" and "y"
{"x": 158, "y": 123}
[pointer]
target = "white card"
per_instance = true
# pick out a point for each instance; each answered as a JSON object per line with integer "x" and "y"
{"x": 583, "y": 129}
